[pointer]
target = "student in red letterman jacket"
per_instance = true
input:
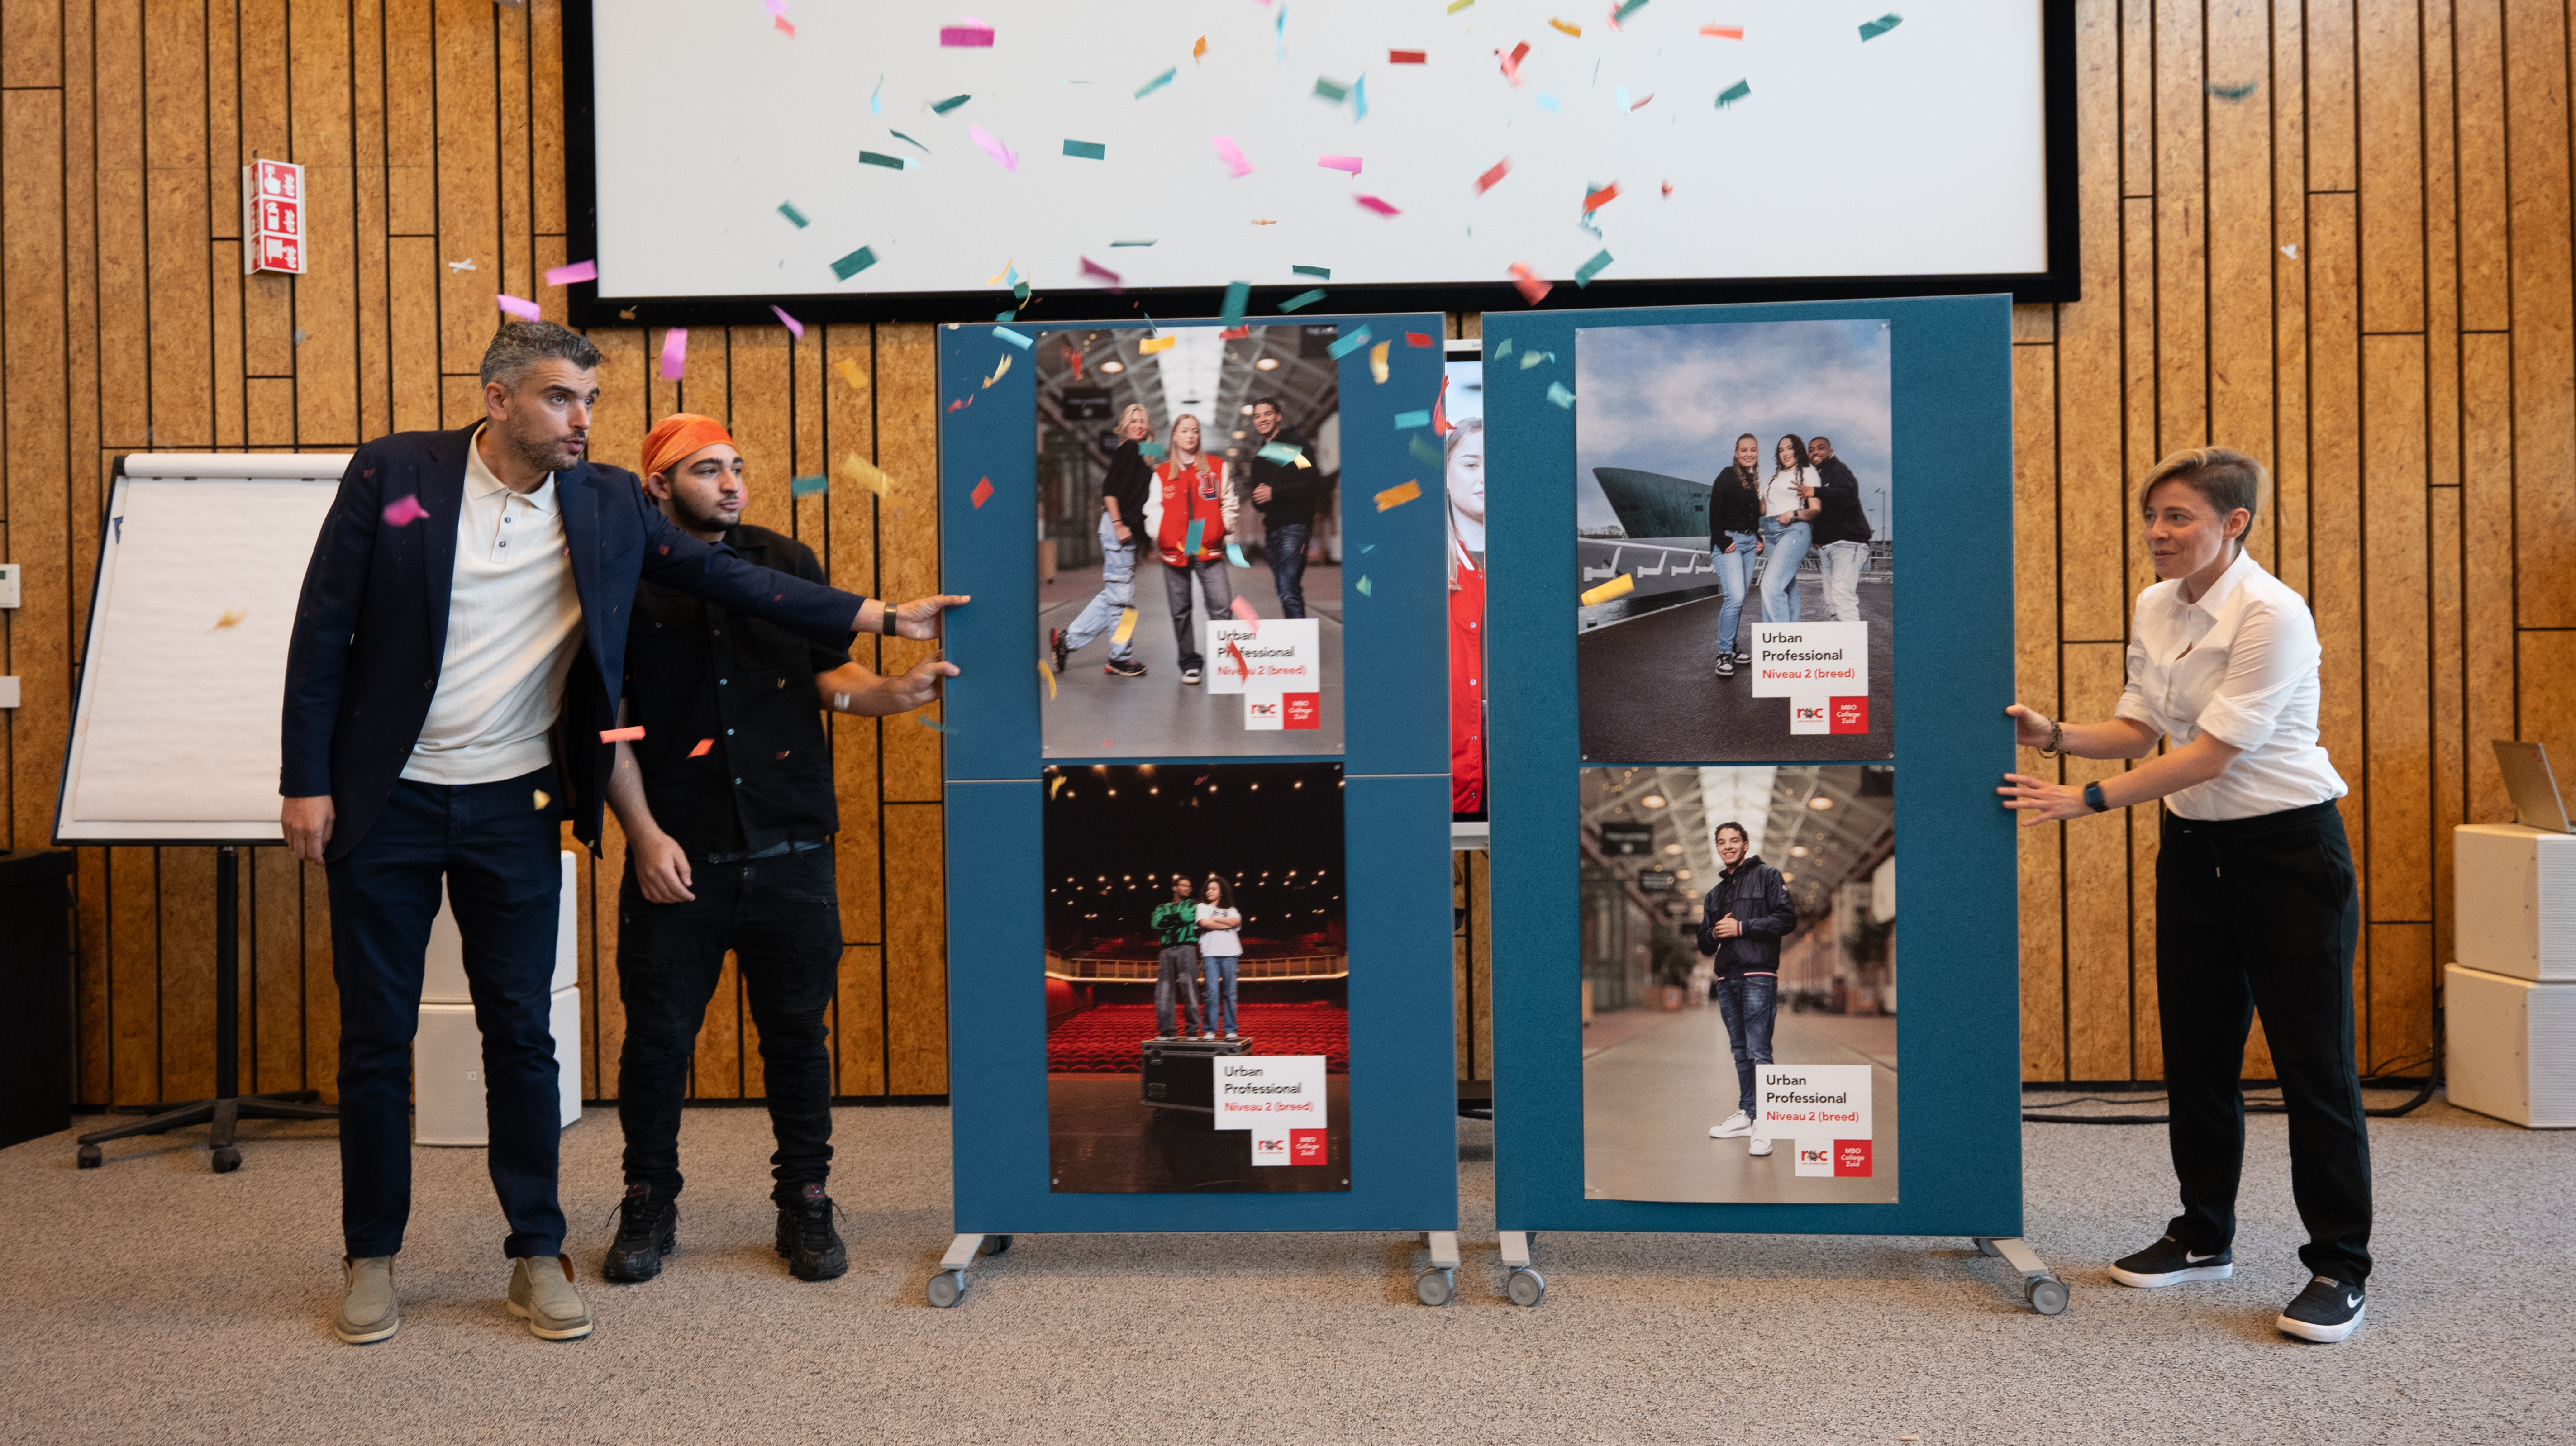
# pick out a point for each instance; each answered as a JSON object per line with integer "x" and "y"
{"x": 1194, "y": 496}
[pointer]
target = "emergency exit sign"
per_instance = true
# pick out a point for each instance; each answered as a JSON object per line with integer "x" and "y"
{"x": 272, "y": 217}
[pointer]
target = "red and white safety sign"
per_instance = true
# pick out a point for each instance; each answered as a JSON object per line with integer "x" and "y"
{"x": 272, "y": 217}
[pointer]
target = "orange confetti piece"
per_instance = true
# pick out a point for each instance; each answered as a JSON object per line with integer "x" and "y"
{"x": 850, "y": 373}
{"x": 1723, "y": 32}
{"x": 1377, "y": 364}
{"x": 1602, "y": 197}
{"x": 543, "y": 798}
{"x": 704, "y": 744}
{"x": 1615, "y": 588}
{"x": 1043, "y": 670}
{"x": 1398, "y": 495}
{"x": 230, "y": 619}
{"x": 1574, "y": 30}
{"x": 983, "y": 490}
{"x": 1198, "y": 50}
{"x": 621, "y": 735}
{"x": 1531, "y": 288}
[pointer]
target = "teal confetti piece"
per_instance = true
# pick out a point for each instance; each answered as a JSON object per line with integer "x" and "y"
{"x": 808, "y": 486}
{"x": 1369, "y": 548}
{"x": 1359, "y": 98}
{"x": 854, "y": 263}
{"x": 1021, "y": 291}
{"x": 876, "y": 102}
{"x": 1331, "y": 90}
{"x": 1151, "y": 450}
{"x": 1413, "y": 419}
{"x": 1087, "y": 150}
{"x": 1734, "y": 93}
{"x": 1279, "y": 27}
{"x": 1557, "y": 393}
{"x": 871, "y": 158}
{"x": 1365, "y": 589}
{"x": 1504, "y": 350}
{"x": 1234, "y": 554}
{"x": 1004, "y": 333}
{"x": 2223, "y": 92}
{"x": 1320, "y": 273}
{"x": 1114, "y": 245}
{"x": 788, "y": 210}
{"x": 1157, "y": 83}
{"x": 1283, "y": 453}
{"x": 907, "y": 140}
{"x": 1302, "y": 298}
{"x": 1190, "y": 546}
{"x": 1004, "y": 315}
{"x": 1533, "y": 358}
{"x": 943, "y": 107}
{"x": 1423, "y": 451}
{"x": 1620, "y": 15}
{"x": 1546, "y": 101}
{"x": 1885, "y": 23}
{"x": 1238, "y": 294}
{"x": 1348, "y": 344}
{"x": 1623, "y": 98}
{"x": 1584, "y": 273}
{"x": 933, "y": 724}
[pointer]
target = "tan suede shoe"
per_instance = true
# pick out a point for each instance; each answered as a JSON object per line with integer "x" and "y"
{"x": 542, "y": 1294}
{"x": 368, "y": 1309}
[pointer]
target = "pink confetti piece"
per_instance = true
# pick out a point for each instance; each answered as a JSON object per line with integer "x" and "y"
{"x": 518, "y": 306}
{"x": 992, "y": 146}
{"x": 1486, "y": 181}
{"x": 578, "y": 271}
{"x": 1512, "y": 62}
{"x": 675, "y": 353}
{"x": 1244, "y": 612}
{"x": 1531, "y": 288}
{"x": 1339, "y": 163}
{"x": 404, "y": 511}
{"x": 785, "y": 26}
{"x": 968, "y": 32}
{"x": 1232, "y": 155}
{"x": 983, "y": 491}
{"x": 1094, "y": 268}
{"x": 794, "y": 327}
{"x": 621, "y": 735}
{"x": 1374, "y": 204}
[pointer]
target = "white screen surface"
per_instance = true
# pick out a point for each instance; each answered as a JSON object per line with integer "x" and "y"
{"x": 1919, "y": 152}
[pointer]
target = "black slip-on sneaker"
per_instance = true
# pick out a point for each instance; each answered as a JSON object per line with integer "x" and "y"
{"x": 648, "y": 1228}
{"x": 1055, "y": 645}
{"x": 2326, "y": 1312}
{"x": 805, "y": 1236}
{"x": 1124, "y": 668}
{"x": 2167, "y": 1263}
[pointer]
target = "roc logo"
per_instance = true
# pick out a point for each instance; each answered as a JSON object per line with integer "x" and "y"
{"x": 1269, "y": 1151}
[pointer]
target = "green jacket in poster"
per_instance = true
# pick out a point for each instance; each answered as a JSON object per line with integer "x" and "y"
{"x": 1177, "y": 922}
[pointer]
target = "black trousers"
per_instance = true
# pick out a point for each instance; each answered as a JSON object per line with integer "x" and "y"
{"x": 781, "y": 917}
{"x": 2260, "y": 914}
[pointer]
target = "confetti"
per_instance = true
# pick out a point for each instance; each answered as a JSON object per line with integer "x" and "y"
{"x": 465, "y": 265}
{"x": 1365, "y": 589}
{"x": 1416, "y": 338}
{"x": 1242, "y": 669}
{"x": 1339, "y": 163}
{"x": 1440, "y": 425}
{"x": 1504, "y": 350}
{"x": 1512, "y": 62}
{"x": 518, "y": 306}
{"x": 930, "y": 723}
{"x": 1086, "y": 150}
{"x": 620, "y": 735}
{"x": 2223, "y": 92}
{"x": 1668, "y": 188}
{"x": 969, "y": 33}
{"x": 231, "y": 619}
{"x": 1457, "y": 5}
{"x": 1406, "y": 57}
{"x": 1232, "y": 155}
{"x": 1641, "y": 105}
{"x": 1049, "y": 674}
{"x": 1302, "y": 298}
{"x": 1057, "y": 782}
{"x": 1348, "y": 344}
{"x": 1320, "y": 273}
{"x": 1243, "y": 611}
{"x": 1533, "y": 358}
{"x": 1404, "y": 420}
{"x": 1486, "y": 181}
{"x": 704, "y": 745}
{"x": 1190, "y": 543}
{"x": 854, "y": 263}
{"x": 300, "y": 335}
{"x": 1398, "y": 495}
{"x": 1238, "y": 294}
{"x": 1367, "y": 549}
{"x": 1532, "y": 289}
{"x": 866, "y": 473}
{"x": 1595, "y": 200}
{"x": 1280, "y": 452}
{"x": 907, "y": 140}
{"x": 1374, "y": 204}
{"x": 1624, "y": 11}
{"x": 850, "y": 373}
{"x": 1235, "y": 333}
{"x": 943, "y": 107}
{"x": 2291, "y": 251}
{"x": 1546, "y": 101}
{"x": 876, "y": 98}
{"x": 878, "y": 158}
{"x": 1873, "y": 29}
{"x": 1151, "y": 451}
{"x": 1574, "y": 30}
{"x": 1734, "y": 93}
{"x": 1331, "y": 90}
{"x": 1004, "y": 333}
{"x": 1234, "y": 553}
{"x": 578, "y": 271}
{"x": 992, "y": 146}
{"x": 403, "y": 511}
{"x": 1126, "y": 626}
{"x": 1359, "y": 99}
{"x": 543, "y": 798}
{"x": 794, "y": 327}
{"x": 788, "y": 210}
{"x": 1557, "y": 393}
{"x": 1377, "y": 361}
{"x": 1584, "y": 273}
{"x": 675, "y": 352}
{"x": 1422, "y": 450}
{"x": 1114, "y": 245}
{"x": 784, "y": 26}
{"x": 1723, "y": 32}
{"x": 1000, "y": 371}
{"x": 808, "y": 486}
{"x": 1198, "y": 51}
{"x": 1094, "y": 268}
{"x": 1153, "y": 344}
{"x": 983, "y": 491}
{"x": 1617, "y": 587}
{"x": 1157, "y": 83}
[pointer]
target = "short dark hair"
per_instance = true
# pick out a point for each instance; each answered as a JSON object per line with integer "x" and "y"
{"x": 1272, "y": 403}
{"x": 519, "y": 345}
{"x": 1731, "y": 824}
{"x": 2225, "y": 479}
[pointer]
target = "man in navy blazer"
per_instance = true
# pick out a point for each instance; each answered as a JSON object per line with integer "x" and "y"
{"x": 458, "y": 651}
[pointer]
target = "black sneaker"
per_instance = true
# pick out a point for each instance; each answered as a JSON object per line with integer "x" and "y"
{"x": 2326, "y": 1312}
{"x": 1725, "y": 665}
{"x": 2167, "y": 1263}
{"x": 1744, "y": 657}
{"x": 1189, "y": 675}
{"x": 1124, "y": 668}
{"x": 648, "y": 1228}
{"x": 1055, "y": 645}
{"x": 805, "y": 1236}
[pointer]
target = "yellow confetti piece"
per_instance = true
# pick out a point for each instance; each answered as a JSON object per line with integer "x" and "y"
{"x": 1617, "y": 587}
{"x": 996, "y": 278}
{"x": 1303, "y": 465}
{"x": 1054, "y": 784}
{"x": 999, "y": 371}
{"x": 850, "y": 373}
{"x": 1398, "y": 495}
{"x": 1126, "y": 626}
{"x": 1377, "y": 361}
{"x": 1153, "y": 344}
{"x": 1574, "y": 30}
{"x": 1049, "y": 674}
{"x": 230, "y": 619}
{"x": 543, "y": 798}
{"x": 866, "y": 473}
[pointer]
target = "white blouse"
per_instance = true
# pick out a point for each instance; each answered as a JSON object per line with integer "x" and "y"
{"x": 1780, "y": 493}
{"x": 2241, "y": 665}
{"x": 1219, "y": 943}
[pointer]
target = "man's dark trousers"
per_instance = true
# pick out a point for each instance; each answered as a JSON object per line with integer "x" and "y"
{"x": 781, "y": 917}
{"x": 1286, "y": 549}
{"x": 497, "y": 845}
{"x": 1177, "y": 972}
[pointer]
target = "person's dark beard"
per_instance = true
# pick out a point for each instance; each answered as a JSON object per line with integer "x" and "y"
{"x": 543, "y": 454}
{"x": 694, "y": 520}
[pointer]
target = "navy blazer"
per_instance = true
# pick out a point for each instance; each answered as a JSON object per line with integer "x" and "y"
{"x": 371, "y": 629}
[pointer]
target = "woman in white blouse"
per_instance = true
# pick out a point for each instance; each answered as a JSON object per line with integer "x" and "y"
{"x": 1788, "y": 506}
{"x": 2255, "y": 906}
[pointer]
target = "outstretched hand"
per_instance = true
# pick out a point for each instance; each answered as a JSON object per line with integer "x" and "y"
{"x": 2030, "y": 727}
{"x": 910, "y": 690}
{"x": 919, "y": 619}
{"x": 2040, "y": 801}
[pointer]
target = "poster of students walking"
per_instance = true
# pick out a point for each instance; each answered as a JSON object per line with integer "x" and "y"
{"x": 1735, "y": 547}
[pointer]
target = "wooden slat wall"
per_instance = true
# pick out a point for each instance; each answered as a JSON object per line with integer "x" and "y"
{"x": 2410, "y": 372}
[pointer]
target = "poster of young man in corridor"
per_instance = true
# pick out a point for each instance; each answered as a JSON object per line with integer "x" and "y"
{"x": 1189, "y": 554}
{"x": 1197, "y": 978}
{"x": 1735, "y": 547}
{"x": 1739, "y": 984}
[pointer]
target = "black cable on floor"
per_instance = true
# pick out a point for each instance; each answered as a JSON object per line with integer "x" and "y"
{"x": 2377, "y": 1079}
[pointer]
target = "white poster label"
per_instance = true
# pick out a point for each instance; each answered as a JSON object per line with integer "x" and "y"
{"x": 1269, "y": 1093}
{"x": 1793, "y": 660}
{"x": 1824, "y": 1108}
{"x": 1284, "y": 655}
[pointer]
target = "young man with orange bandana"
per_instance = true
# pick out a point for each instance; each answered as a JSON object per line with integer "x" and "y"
{"x": 728, "y": 811}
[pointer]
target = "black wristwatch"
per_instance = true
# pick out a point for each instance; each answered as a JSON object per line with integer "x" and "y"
{"x": 2093, "y": 798}
{"x": 888, "y": 620}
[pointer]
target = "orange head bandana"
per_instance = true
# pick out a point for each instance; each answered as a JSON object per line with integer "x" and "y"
{"x": 676, "y": 436}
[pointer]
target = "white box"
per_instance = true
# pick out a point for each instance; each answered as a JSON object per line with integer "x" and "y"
{"x": 2516, "y": 900}
{"x": 443, "y": 982}
{"x": 2510, "y": 1047}
{"x": 447, "y": 1071}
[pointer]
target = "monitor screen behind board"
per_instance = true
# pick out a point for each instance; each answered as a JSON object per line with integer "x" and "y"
{"x": 2527, "y": 777}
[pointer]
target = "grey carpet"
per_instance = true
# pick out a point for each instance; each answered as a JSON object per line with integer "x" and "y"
{"x": 155, "y": 1301}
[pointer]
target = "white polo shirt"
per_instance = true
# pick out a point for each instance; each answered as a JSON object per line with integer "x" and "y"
{"x": 2240, "y": 664}
{"x": 513, "y": 626}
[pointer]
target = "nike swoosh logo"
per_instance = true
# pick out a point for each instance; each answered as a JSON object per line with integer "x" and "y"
{"x": 2352, "y": 1300}
{"x": 2191, "y": 1259}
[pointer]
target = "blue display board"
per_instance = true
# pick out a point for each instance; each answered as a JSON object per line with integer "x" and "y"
{"x": 1402, "y": 1084}
{"x": 1949, "y": 367}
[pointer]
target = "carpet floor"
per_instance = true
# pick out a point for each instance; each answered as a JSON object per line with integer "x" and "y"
{"x": 155, "y": 1301}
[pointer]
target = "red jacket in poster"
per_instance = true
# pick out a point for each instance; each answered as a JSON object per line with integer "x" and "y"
{"x": 1194, "y": 493}
{"x": 1467, "y": 691}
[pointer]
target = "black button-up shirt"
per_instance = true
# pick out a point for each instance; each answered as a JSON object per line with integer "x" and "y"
{"x": 699, "y": 673}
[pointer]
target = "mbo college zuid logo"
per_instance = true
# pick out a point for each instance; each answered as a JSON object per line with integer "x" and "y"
{"x": 1821, "y": 668}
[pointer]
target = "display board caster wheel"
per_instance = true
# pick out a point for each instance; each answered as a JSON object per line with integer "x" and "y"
{"x": 947, "y": 1288}
{"x": 996, "y": 1244}
{"x": 89, "y": 1157}
{"x": 227, "y": 1160}
{"x": 1435, "y": 1286}
{"x": 2048, "y": 1295}
{"x": 1526, "y": 1287}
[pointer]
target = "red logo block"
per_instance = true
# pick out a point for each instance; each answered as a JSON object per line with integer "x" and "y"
{"x": 1851, "y": 1157}
{"x": 1311, "y": 1147}
{"x": 1305, "y": 710}
{"x": 1850, "y": 715}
